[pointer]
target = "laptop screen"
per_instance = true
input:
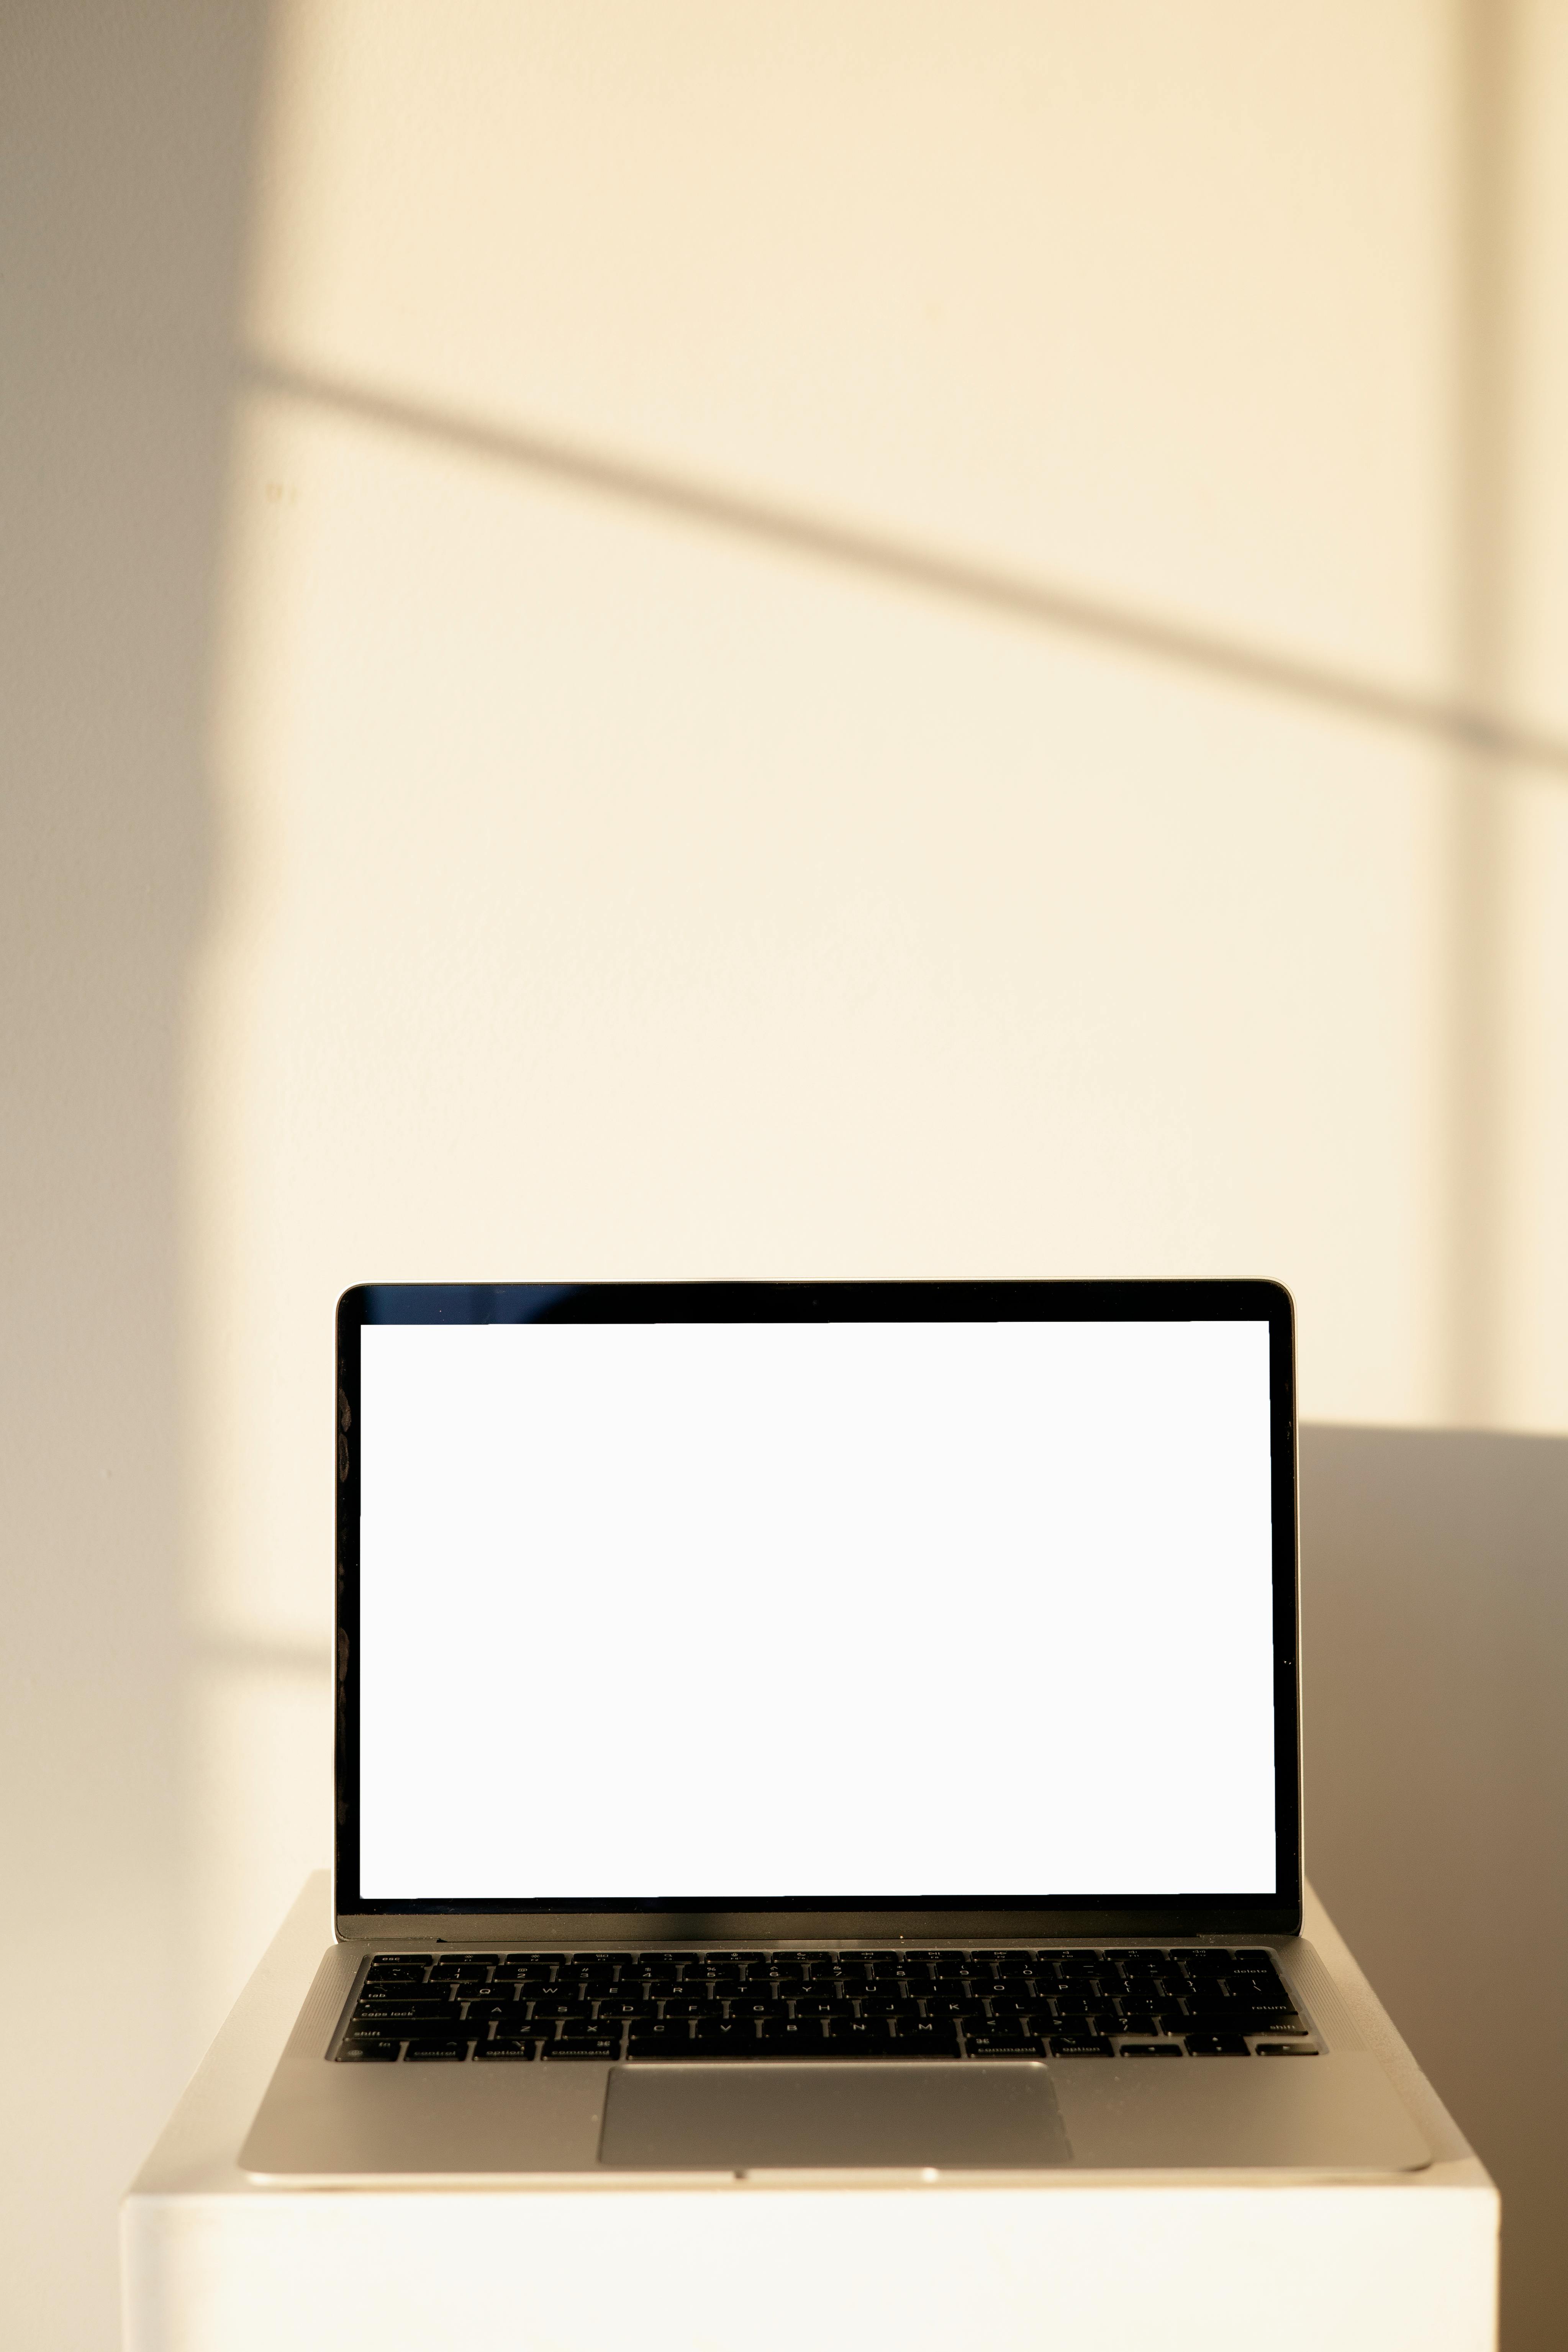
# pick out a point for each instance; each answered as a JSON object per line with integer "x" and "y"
{"x": 841, "y": 1608}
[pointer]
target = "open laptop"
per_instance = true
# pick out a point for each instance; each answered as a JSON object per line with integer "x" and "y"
{"x": 818, "y": 1727}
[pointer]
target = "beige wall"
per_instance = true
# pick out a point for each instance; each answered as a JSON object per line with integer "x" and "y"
{"x": 671, "y": 640}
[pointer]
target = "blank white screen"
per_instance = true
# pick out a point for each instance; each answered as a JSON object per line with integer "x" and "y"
{"x": 674, "y": 1611}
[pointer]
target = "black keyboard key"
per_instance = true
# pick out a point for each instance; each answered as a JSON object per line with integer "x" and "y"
{"x": 1286, "y": 2049}
{"x": 1216, "y": 2045}
{"x": 659, "y": 2040}
{"x": 913, "y": 2039}
{"x": 407, "y": 2015}
{"x": 436, "y": 2050}
{"x": 368, "y": 2052}
{"x": 499, "y": 2051}
{"x": 719, "y": 2037}
{"x": 599, "y": 2048}
{"x": 1004, "y": 2044}
{"x": 1075, "y": 2046}
{"x": 792, "y": 2038}
{"x": 857, "y": 2036}
{"x": 1150, "y": 2049}
{"x": 380, "y": 2001}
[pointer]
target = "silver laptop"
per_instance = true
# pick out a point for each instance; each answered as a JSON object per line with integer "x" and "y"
{"x": 823, "y": 1727}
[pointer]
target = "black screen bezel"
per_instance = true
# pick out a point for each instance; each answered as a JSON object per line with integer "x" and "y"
{"x": 731, "y": 1916}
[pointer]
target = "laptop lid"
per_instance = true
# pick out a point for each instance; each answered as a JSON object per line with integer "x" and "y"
{"x": 745, "y": 1611}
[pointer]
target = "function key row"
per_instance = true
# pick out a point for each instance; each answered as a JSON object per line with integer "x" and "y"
{"x": 1187, "y": 1956}
{"x": 1149, "y": 1974}
{"x": 858, "y": 1952}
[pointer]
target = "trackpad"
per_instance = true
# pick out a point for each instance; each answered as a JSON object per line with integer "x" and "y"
{"x": 736, "y": 2118}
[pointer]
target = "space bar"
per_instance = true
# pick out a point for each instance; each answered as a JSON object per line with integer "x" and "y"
{"x": 938, "y": 2045}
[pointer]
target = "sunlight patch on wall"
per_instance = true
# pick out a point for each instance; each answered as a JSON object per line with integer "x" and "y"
{"x": 607, "y": 891}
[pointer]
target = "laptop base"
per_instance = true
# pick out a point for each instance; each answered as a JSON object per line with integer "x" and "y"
{"x": 323, "y": 2124}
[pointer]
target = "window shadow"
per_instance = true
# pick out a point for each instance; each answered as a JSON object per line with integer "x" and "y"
{"x": 907, "y": 564}
{"x": 1435, "y": 1656}
{"x": 126, "y": 149}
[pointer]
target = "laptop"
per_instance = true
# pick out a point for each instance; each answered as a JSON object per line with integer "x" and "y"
{"x": 824, "y": 1729}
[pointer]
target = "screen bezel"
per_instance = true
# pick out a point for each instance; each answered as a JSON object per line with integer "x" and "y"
{"x": 762, "y": 1917}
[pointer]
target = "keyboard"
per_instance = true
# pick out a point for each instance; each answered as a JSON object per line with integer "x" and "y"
{"x": 511, "y": 2008}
